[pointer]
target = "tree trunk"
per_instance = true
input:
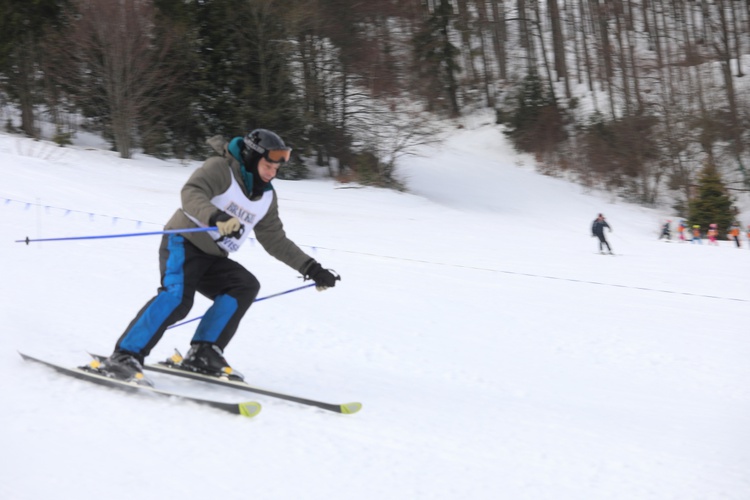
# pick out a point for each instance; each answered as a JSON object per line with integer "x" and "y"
{"x": 723, "y": 50}
{"x": 24, "y": 84}
{"x": 558, "y": 45}
{"x": 737, "y": 38}
{"x": 464, "y": 28}
{"x": 584, "y": 37}
{"x": 486, "y": 63}
{"x": 627, "y": 98}
{"x": 499, "y": 36}
{"x": 544, "y": 52}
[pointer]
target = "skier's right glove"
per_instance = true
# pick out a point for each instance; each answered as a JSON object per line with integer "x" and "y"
{"x": 230, "y": 228}
{"x": 226, "y": 224}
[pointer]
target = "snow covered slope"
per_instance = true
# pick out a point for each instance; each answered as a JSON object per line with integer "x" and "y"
{"x": 496, "y": 353}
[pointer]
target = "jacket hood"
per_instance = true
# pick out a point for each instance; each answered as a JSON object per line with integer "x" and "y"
{"x": 253, "y": 182}
{"x": 234, "y": 148}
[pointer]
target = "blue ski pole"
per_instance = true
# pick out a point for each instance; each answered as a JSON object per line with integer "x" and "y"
{"x": 256, "y": 300}
{"x": 125, "y": 235}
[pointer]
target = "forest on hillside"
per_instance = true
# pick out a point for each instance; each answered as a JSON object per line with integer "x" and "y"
{"x": 641, "y": 97}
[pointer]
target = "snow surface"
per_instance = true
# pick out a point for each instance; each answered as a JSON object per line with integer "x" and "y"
{"x": 496, "y": 353}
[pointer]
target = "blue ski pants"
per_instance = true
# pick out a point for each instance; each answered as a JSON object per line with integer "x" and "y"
{"x": 185, "y": 270}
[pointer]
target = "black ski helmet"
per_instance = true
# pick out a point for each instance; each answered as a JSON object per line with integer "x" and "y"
{"x": 264, "y": 143}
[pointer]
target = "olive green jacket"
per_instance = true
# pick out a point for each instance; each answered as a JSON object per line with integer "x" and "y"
{"x": 214, "y": 178}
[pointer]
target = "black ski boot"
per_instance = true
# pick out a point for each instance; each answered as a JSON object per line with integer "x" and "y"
{"x": 209, "y": 359}
{"x": 121, "y": 366}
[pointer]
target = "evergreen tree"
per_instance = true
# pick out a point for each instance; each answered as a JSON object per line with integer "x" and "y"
{"x": 712, "y": 205}
{"x": 536, "y": 123}
{"x": 437, "y": 58}
{"x": 22, "y": 26}
{"x": 244, "y": 81}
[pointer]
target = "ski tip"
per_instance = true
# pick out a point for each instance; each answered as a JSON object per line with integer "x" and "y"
{"x": 249, "y": 409}
{"x": 350, "y": 408}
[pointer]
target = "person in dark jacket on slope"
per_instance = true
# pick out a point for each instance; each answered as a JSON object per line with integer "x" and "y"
{"x": 233, "y": 193}
{"x": 665, "y": 231}
{"x": 597, "y": 229}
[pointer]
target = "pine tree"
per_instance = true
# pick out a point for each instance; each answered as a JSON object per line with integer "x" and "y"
{"x": 437, "y": 58}
{"x": 712, "y": 205}
{"x": 23, "y": 24}
{"x": 536, "y": 122}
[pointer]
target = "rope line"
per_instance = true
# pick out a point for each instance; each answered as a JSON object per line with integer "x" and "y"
{"x": 67, "y": 211}
{"x": 541, "y": 276}
{"x": 7, "y": 201}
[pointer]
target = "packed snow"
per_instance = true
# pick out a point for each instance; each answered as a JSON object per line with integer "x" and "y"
{"x": 496, "y": 353}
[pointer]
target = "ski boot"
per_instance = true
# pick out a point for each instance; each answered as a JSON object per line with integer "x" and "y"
{"x": 209, "y": 359}
{"x": 121, "y": 366}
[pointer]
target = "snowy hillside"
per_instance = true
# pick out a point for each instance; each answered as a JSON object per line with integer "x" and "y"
{"x": 496, "y": 353}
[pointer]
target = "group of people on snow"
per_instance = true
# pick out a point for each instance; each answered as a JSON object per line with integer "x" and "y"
{"x": 733, "y": 233}
{"x": 696, "y": 234}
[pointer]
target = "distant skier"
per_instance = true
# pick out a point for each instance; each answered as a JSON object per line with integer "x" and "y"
{"x": 681, "y": 230}
{"x": 697, "y": 238}
{"x": 597, "y": 229}
{"x": 734, "y": 233}
{"x": 665, "y": 231}
{"x": 712, "y": 234}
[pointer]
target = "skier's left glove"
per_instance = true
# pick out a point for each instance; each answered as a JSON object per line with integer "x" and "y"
{"x": 323, "y": 278}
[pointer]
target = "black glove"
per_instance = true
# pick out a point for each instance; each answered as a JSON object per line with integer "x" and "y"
{"x": 323, "y": 278}
{"x": 228, "y": 225}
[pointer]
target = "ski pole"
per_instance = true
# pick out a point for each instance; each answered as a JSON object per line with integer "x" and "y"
{"x": 125, "y": 235}
{"x": 256, "y": 300}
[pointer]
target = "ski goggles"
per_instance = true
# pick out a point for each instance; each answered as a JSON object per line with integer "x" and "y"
{"x": 277, "y": 155}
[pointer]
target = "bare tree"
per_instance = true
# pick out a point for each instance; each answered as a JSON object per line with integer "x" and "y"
{"x": 585, "y": 21}
{"x": 118, "y": 64}
{"x": 547, "y": 68}
{"x": 737, "y": 37}
{"x": 484, "y": 52}
{"x": 558, "y": 45}
{"x": 620, "y": 33}
{"x": 722, "y": 46}
{"x": 499, "y": 37}
{"x": 463, "y": 26}
{"x": 600, "y": 16}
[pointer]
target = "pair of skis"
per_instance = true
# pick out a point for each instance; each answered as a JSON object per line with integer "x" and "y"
{"x": 247, "y": 408}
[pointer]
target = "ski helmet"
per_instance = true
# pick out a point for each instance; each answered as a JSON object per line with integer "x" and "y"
{"x": 266, "y": 144}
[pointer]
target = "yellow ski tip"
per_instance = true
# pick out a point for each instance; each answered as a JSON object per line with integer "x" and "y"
{"x": 249, "y": 409}
{"x": 349, "y": 408}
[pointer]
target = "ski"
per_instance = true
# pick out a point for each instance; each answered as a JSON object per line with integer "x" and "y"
{"x": 246, "y": 409}
{"x": 171, "y": 367}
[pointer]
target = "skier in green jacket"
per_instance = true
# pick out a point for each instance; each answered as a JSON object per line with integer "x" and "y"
{"x": 233, "y": 193}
